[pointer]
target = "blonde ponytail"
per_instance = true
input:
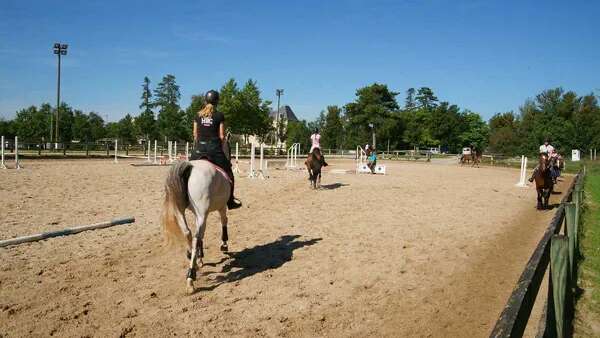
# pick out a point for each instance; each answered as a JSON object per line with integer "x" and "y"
{"x": 207, "y": 111}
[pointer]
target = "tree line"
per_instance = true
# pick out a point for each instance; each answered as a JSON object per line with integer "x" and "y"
{"x": 160, "y": 118}
{"x": 569, "y": 120}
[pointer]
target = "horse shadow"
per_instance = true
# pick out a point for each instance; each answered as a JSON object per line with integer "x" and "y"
{"x": 333, "y": 186}
{"x": 260, "y": 258}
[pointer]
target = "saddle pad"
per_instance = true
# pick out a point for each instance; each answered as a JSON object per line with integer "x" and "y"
{"x": 219, "y": 169}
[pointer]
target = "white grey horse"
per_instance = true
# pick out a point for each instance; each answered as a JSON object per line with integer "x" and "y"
{"x": 203, "y": 188}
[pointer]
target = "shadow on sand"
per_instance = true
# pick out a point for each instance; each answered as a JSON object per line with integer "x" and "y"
{"x": 260, "y": 258}
{"x": 333, "y": 186}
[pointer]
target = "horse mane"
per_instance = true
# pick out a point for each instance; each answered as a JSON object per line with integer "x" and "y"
{"x": 542, "y": 162}
{"x": 317, "y": 154}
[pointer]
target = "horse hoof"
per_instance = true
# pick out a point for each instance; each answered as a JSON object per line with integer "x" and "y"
{"x": 190, "y": 286}
{"x": 224, "y": 248}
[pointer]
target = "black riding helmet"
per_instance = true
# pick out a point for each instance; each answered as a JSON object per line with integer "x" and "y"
{"x": 212, "y": 97}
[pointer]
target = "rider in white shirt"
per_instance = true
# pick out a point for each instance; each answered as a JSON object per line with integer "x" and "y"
{"x": 545, "y": 148}
{"x": 316, "y": 143}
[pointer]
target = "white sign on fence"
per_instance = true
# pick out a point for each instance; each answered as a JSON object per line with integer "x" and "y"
{"x": 575, "y": 155}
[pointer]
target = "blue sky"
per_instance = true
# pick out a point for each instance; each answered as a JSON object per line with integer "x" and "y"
{"x": 487, "y": 56}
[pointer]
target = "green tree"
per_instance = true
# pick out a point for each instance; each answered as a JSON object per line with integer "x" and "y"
{"x": 97, "y": 128}
{"x": 146, "y": 122}
{"x": 112, "y": 130}
{"x": 81, "y": 128}
{"x": 475, "y": 130}
{"x": 65, "y": 131}
{"x": 171, "y": 119}
{"x": 333, "y": 129}
{"x": 299, "y": 132}
{"x": 504, "y": 137}
{"x": 446, "y": 126}
{"x": 126, "y": 130}
{"x": 426, "y": 98}
{"x": 416, "y": 128}
{"x": 254, "y": 112}
{"x": 229, "y": 105}
{"x": 6, "y": 128}
{"x": 33, "y": 124}
{"x": 409, "y": 102}
{"x": 191, "y": 112}
{"x": 375, "y": 104}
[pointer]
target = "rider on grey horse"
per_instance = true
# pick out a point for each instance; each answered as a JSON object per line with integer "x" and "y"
{"x": 209, "y": 140}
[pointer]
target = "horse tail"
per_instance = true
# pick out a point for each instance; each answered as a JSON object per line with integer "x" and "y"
{"x": 176, "y": 200}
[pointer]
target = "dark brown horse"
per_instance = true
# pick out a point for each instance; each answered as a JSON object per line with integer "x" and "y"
{"x": 314, "y": 164}
{"x": 543, "y": 182}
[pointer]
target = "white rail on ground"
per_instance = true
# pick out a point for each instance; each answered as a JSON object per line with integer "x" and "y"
{"x": 65, "y": 232}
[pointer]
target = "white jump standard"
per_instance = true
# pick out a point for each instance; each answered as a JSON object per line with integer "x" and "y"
{"x": 236, "y": 167}
{"x": 292, "y": 156}
{"x": 262, "y": 171}
{"x": 523, "y": 173}
{"x": 2, "y": 165}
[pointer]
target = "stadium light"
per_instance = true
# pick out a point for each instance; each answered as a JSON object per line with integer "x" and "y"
{"x": 60, "y": 50}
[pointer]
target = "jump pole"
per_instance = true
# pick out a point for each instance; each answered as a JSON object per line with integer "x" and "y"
{"x": 155, "y": 162}
{"x": 169, "y": 143}
{"x": 149, "y": 150}
{"x": 2, "y": 165}
{"x": 116, "y": 150}
{"x": 523, "y": 172}
{"x": 175, "y": 151}
{"x": 17, "y": 165}
{"x": 236, "y": 168}
{"x": 261, "y": 171}
{"x": 65, "y": 232}
{"x": 252, "y": 174}
{"x": 187, "y": 151}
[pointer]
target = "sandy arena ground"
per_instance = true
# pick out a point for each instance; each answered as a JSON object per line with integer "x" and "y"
{"x": 426, "y": 251}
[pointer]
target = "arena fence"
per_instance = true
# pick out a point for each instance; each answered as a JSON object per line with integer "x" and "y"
{"x": 560, "y": 252}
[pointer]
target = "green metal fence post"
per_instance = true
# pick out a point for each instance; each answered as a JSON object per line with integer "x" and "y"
{"x": 571, "y": 232}
{"x": 559, "y": 255}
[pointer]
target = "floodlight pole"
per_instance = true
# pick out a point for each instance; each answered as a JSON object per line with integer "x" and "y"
{"x": 57, "y": 99}
{"x": 59, "y": 49}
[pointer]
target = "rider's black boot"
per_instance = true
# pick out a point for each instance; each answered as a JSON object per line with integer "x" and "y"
{"x": 233, "y": 202}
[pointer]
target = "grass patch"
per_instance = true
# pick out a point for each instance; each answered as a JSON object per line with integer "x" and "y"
{"x": 587, "y": 321}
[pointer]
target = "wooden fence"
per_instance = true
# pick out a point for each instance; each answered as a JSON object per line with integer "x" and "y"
{"x": 560, "y": 252}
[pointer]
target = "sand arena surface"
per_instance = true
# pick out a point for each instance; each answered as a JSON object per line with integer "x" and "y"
{"x": 428, "y": 250}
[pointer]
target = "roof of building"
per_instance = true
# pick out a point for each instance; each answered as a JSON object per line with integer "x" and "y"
{"x": 286, "y": 111}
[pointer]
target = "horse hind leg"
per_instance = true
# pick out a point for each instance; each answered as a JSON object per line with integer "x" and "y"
{"x": 539, "y": 199}
{"x": 197, "y": 246}
{"x": 224, "y": 235}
